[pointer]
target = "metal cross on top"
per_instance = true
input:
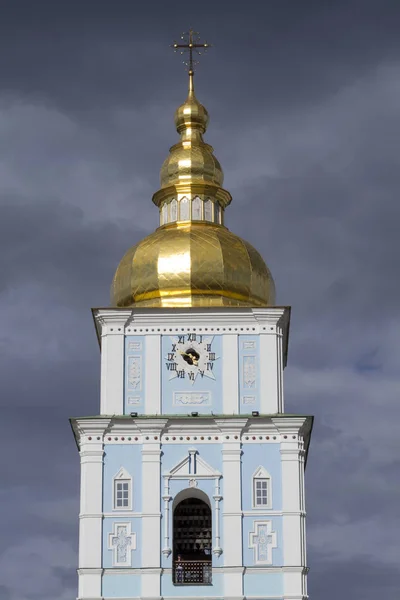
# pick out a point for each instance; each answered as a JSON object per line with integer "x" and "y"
{"x": 191, "y": 43}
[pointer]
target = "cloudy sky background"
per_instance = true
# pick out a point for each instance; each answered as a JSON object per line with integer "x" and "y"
{"x": 304, "y": 100}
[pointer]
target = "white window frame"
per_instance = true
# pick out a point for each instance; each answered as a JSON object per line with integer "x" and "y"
{"x": 122, "y": 477}
{"x": 261, "y": 474}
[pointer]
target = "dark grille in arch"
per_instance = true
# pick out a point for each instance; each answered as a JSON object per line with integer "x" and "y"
{"x": 192, "y": 542}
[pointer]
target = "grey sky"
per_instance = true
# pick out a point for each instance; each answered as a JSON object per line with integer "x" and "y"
{"x": 304, "y": 99}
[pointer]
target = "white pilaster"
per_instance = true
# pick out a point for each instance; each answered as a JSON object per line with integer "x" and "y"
{"x": 217, "y": 550}
{"x": 269, "y": 374}
{"x": 232, "y": 504}
{"x": 230, "y": 374}
{"x": 112, "y": 366}
{"x": 151, "y": 508}
{"x": 90, "y": 517}
{"x": 167, "y": 499}
{"x": 292, "y": 505}
{"x": 153, "y": 375}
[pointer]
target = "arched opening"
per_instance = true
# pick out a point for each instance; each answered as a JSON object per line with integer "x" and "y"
{"x": 192, "y": 542}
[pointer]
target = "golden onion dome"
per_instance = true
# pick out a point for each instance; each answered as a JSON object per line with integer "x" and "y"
{"x": 192, "y": 259}
{"x": 193, "y": 264}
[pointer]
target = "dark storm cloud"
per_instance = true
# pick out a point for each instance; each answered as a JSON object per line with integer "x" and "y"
{"x": 40, "y": 505}
{"x": 304, "y": 101}
{"x": 86, "y": 55}
{"x": 355, "y": 579}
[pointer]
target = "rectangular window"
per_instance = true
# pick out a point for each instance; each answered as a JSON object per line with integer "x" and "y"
{"x": 122, "y": 493}
{"x": 261, "y": 492}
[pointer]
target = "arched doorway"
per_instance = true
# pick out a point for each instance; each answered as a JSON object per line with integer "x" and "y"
{"x": 192, "y": 542}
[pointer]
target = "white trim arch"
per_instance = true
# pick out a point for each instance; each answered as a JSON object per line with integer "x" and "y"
{"x": 191, "y": 492}
{"x": 192, "y": 468}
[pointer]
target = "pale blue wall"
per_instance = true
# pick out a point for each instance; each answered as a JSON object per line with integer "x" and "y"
{"x": 260, "y": 585}
{"x": 129, "y": 457}
{"x": 267, "y": 455}
{"x": 249, "y": 393}
{"x": 135, "y": 349}
{"x": 213, "y": 387}
{"x": 263, "y": 584}
{"x": 121, "y": 586}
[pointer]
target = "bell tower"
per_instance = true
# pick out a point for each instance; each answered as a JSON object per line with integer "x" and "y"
{"x": 192, "y": 474}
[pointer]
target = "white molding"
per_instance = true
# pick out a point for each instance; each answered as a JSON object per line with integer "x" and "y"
{"x": 124, "y": 514}
{"x": 182, "y": 470}
{"x": 253, "y": 570}
{"x": 160, "y": 321}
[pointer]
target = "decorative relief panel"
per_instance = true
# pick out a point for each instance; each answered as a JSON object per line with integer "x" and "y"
{"x": 134, "y": 345}
{"x": 133, "y": 400}
{"x": 249, "y": 372}
{"x": 134, "y": 371}
{"x": 122, "y": 541}
{"x": 248, "y": 399}
{"x": 192, "y": 398}
{"x": 247, "y": 344}
{"x": 262, "y": 540}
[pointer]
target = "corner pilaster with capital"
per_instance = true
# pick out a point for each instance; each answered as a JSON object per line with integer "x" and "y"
{"x": 151, "y": 431}
{"x": 91, "y": 450}
{"x": 232, "y": 511}
{"x": 293, "y": 432}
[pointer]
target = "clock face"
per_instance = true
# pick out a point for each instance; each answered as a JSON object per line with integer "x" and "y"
{"x": 190, "y": 356}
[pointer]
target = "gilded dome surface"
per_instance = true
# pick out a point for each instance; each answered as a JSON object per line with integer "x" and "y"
{"x": 192, "y": 264}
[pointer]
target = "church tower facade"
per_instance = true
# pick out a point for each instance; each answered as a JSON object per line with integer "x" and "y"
{"x": 192, "y": 474}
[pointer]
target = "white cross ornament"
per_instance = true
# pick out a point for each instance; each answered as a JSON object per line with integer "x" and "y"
{"x": 122, "y": 541}
{"x": 262, "y": 540}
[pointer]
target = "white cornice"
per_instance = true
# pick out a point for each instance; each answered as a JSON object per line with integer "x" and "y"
{"x": 268, "y": 321}
{"x": 288, "y": 425}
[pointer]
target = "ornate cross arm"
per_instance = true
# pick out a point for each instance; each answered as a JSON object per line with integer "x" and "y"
{"x": 191, "y": 43}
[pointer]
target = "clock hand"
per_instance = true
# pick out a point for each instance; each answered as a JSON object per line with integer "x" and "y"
{"x": 191, "y": 356}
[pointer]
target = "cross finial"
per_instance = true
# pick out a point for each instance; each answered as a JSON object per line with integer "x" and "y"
{"x": 191, "y": 43}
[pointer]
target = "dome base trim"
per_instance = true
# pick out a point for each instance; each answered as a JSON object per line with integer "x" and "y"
{"x": 196, "y": 297}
